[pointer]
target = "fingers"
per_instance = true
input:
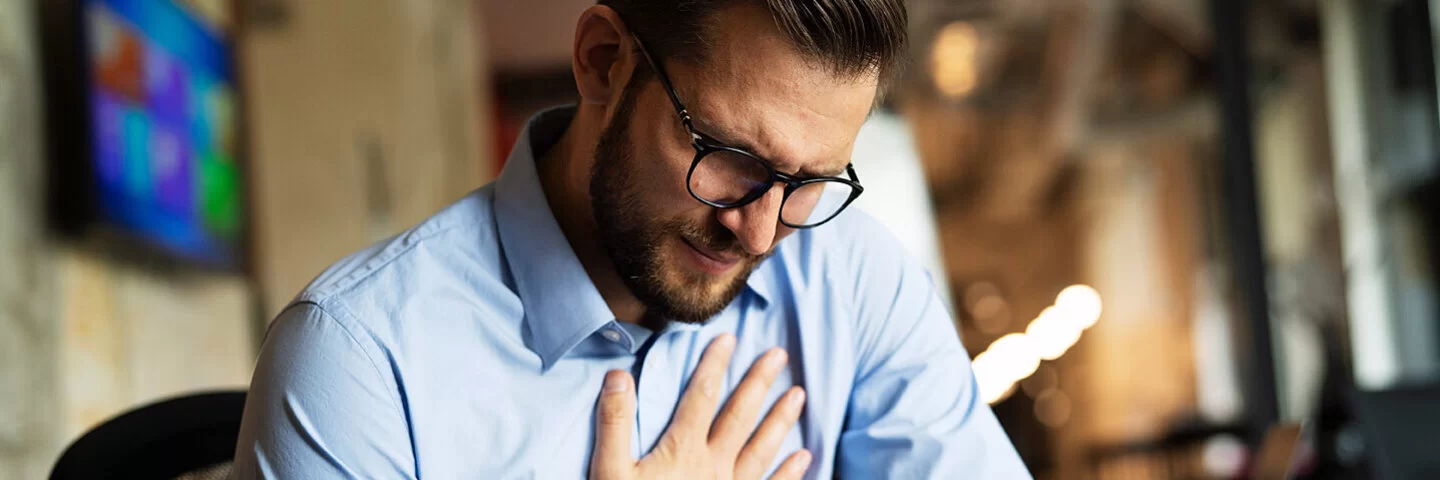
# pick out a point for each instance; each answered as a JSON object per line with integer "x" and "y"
{"x": 761, "y": 449}
{"x": 794, "y": 467}
{"x": 615, "y": 417}
{"x": 736, "y": 422}
{"x": 696, "y": 410}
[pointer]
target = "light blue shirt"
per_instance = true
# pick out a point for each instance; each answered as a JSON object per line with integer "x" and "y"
{"x": 474, "y": 345}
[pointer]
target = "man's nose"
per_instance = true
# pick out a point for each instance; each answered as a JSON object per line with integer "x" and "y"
{"x": 755, "y": 223}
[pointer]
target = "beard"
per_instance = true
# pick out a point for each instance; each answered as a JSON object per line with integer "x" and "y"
{"x": 635, "y": 240}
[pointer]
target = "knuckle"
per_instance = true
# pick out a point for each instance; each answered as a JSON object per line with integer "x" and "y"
{"x": 671, "y": 443}
{"x": 613, "y": 413}
{"x": 710, "y": 388}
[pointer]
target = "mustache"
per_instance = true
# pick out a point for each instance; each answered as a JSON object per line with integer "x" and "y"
{"x": 714, "y": 236}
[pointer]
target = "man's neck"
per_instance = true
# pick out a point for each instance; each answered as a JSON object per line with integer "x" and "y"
{"x": 565, "y": 178}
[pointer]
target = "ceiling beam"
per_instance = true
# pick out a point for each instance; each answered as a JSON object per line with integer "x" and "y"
{"x": 1080, "y": 45}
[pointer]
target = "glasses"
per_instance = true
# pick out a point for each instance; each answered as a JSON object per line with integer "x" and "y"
{"x": 722, "y": 176}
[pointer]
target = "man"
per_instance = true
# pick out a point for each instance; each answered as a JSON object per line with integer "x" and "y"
{"x": 647, "y": 287}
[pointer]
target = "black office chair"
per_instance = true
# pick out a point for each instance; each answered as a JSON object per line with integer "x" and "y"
{"x": 191, "y": 437}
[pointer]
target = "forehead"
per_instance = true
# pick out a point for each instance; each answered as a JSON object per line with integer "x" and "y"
{"x": 755, "y": 89}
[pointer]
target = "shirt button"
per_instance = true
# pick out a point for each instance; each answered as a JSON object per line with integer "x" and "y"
{"x": 611, "y": 335}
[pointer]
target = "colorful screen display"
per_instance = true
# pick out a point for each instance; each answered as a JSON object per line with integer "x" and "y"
{"x": 163, "y": 124}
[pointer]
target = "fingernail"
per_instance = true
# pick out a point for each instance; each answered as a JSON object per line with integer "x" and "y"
{"x": 725, "y": 340}
{"x": 802, "y": 460}
{"x": 797, "y": 398}
{"x": 615, "y": 382}
{"x": 774, "y": 358}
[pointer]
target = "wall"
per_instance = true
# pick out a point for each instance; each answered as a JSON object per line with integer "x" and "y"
{"x": 535, "y": 35}
{"x": 129, "y": 336}
{"x": 83, "y": 338}
{"x": 364, "y": 122}
{"x": 28, "y": 340}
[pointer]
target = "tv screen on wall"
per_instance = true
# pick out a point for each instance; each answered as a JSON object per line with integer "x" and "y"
{"x": 157, "y": 150}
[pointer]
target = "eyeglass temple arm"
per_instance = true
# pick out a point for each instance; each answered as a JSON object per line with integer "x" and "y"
{"x": 665, "y": 80}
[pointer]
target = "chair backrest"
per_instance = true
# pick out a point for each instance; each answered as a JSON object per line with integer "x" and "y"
{"x": 186, "y": 437}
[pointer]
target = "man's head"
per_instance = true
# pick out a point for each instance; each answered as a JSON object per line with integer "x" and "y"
{"x": 788, "y": 80}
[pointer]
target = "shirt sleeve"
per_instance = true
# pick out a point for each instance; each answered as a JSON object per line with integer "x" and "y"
{"x": 915, "y": 411}
{"x": 320, "y": 407}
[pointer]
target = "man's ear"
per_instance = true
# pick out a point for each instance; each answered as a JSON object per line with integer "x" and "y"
{"x": 601, "y": 55}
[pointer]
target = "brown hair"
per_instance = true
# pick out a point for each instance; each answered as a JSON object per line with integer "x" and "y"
{"x": 850, "y": 38}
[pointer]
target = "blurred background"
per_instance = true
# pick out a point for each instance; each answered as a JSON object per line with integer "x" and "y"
{"x": 1163, "y": 225}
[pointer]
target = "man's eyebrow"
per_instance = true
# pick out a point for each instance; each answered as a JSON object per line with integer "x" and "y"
{"x": 822, "y": 173}
{"x": 729, "y": 139}
{"x": 723, "y": 135}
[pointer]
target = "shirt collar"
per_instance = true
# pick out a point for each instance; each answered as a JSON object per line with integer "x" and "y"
{"x": 562, "y": 305}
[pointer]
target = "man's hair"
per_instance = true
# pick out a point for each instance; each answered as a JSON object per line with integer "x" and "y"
{"x": 849, "y": 38}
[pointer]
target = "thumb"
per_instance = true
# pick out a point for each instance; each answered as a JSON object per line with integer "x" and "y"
{"x": 614, "y": 418}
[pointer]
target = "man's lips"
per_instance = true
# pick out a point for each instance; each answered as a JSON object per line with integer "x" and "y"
{"x": 711, "y": 261}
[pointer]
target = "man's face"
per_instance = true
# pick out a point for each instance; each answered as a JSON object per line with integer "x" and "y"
{"x": 685, "y": 260}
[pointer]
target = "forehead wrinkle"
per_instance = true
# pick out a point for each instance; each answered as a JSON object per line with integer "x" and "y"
{"x": 755, "y": 89}
{"x": 781, "y": 127}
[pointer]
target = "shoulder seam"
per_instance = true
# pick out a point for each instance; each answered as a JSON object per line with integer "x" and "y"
{"x": 409, "y": 240}
{"x": 392, "y": 383}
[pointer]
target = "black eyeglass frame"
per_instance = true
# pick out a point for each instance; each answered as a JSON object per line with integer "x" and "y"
{"x": 705, "y": 145}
